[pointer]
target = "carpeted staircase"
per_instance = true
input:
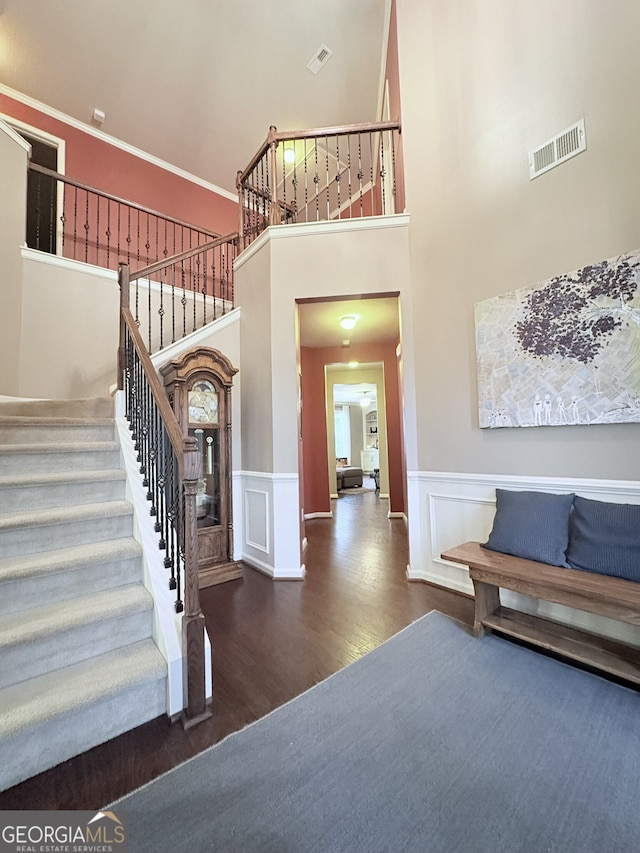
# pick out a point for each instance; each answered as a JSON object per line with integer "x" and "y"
{"x": 78, "y": 664}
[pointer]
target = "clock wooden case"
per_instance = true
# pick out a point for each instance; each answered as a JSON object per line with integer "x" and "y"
{"x": 199, "y": 388}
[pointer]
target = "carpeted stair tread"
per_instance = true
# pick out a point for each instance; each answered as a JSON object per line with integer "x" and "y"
{"x": 35, "y": 420}
{"x": 67, "y": 559}
{"x": 96, "y": 407}
{"x": 52, "y": 431}
{"x": 39, "y": 623}
{"x": 63, "y": 515}
{"x": 78, "y": 685}
{"x": 58, "y": 447}
{"x": 56, "y": 478}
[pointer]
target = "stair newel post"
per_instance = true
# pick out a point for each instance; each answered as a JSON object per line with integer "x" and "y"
{"x": 274, "y": 211}
{"x": 193, "y": 623}
{"x": 123, "y": 281}
{"x": 241, "y": 212}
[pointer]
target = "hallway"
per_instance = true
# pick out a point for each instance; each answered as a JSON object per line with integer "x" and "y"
{"x": 271, "y": 641}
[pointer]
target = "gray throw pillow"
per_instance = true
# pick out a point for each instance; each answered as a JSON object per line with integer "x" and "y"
{"x": 604, "y": 537}
{"x": 533, "y": 525}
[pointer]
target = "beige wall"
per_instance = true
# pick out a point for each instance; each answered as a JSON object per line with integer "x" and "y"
{"x": 482, "y": 83}
{"x": 70, "y": 328}
{"x": 13, "y": 191}
{"x": 342, "y": 259}
{"x": 252, "y": 292}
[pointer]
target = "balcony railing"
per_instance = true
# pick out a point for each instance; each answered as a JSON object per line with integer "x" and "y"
{"x": 69, "y": 218}
{"x": 329, "y": 173}
{"x": 173, "y": 297}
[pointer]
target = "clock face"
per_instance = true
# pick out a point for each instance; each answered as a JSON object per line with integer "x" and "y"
{"x": 203, "y": 403}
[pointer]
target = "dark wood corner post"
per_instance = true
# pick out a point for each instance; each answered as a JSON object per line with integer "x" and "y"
{"x": 274, "y": 210}
{"x": 240, "y": 188}
{"x": 195, "y": 695}
{"x": 123, "y": 281}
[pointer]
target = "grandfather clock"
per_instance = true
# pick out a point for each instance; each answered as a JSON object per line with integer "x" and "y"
{"x": 199, "y": 388}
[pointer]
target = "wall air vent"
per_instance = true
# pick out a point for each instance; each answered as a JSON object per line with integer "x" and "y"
{"x": 320, "y": 59}
{"x": 561, "y": 147}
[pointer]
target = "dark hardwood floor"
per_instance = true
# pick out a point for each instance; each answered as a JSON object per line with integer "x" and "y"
{"x": 271, "y": 641}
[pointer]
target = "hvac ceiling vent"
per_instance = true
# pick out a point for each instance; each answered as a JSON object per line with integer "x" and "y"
{"x": 558, "y": 149}
{"x": 320, "y": 59}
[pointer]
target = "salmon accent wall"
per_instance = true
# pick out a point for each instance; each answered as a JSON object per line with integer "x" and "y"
{"x": 113, "y": 170}
{"x": 314, "y": 427}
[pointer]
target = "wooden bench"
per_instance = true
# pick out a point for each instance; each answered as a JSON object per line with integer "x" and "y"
{"x": 600, "y": 594}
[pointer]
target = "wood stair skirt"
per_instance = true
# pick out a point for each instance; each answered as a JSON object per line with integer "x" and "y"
{"x": 78, "y": 664}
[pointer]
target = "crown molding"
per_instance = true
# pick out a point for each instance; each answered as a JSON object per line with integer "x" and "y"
{"x": 112, "y": 140}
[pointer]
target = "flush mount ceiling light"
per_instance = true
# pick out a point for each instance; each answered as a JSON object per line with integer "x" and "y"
{"x": 289, "y": 155}
{"x": 348, "y": 321}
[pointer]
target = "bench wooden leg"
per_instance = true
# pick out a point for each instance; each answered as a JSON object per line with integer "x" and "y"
{"x": 487, "y": 602}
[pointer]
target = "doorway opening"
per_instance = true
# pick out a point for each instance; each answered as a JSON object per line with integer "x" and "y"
{"x": 45, "y": 195}
{"x": 369, "y": 354}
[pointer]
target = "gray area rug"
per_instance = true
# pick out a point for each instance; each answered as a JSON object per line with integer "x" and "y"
{"x": 433, "y": 743}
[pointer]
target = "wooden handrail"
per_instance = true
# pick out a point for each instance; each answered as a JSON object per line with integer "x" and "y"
{"x": 71, "y": 182}
{"x": 339, "y": 130}
{"x": 181, "y": 256}
{"x": 181, "y": 444}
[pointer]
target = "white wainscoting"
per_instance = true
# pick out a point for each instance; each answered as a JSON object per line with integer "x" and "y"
{"x": 447, "y": 509}
{"x": 267, "y": 514}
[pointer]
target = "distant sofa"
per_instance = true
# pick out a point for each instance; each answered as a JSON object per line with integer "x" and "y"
{"x": 348, "y": 477}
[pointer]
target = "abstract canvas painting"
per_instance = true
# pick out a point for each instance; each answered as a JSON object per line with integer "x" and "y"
{"x": 562, "y": 352}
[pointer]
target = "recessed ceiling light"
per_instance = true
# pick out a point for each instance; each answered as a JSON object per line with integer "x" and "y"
{"x": 348, "y": 321}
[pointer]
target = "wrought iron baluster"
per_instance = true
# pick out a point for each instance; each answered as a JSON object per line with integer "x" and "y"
{"x": 63, "y": 218}
{"x": 316, "y": 178}
{"x": 216, "y": 289}
{"x": 338, "y": 175}
{"x": 326, "y": 177}
{"x": 97, "y": 230}
{"x": 129, "y": 239}
{"x": 184, "y": 299}
{"x": 161, "y": 483}
{"x": 75, "y": 222}
{"x": 306, "y": 185}
{"x": 119, "y": 209}
{"x": 161, "y": 311}
{"x": 108, "y": 231}
{"x": 87, "y": 227}
{"x": 372, "y": 194}
{"x": 349, "y": 174}
{"x": 382, "y": 176}
{"x": 393, "y": 169}
{"x": 52, "y": 216}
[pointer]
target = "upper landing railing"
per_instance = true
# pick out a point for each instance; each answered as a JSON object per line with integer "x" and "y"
{"x": 329, "y": 173}
{"x": 68, "y": 218}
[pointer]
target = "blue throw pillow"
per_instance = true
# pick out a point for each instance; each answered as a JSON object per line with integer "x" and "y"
{"x": 604, "y": 537}
{"x": 533, "y": 525}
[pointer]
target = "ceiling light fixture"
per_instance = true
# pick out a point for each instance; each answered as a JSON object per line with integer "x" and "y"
{"x": 348, "y": 321}
{"x": 289, "y": 155}
{"x": 364, "y": 402}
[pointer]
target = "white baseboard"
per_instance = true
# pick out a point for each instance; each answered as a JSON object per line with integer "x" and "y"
{"x": 310, "y": 515}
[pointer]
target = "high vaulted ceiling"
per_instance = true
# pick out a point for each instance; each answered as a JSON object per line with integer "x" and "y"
{"x": 197, "y": 83}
